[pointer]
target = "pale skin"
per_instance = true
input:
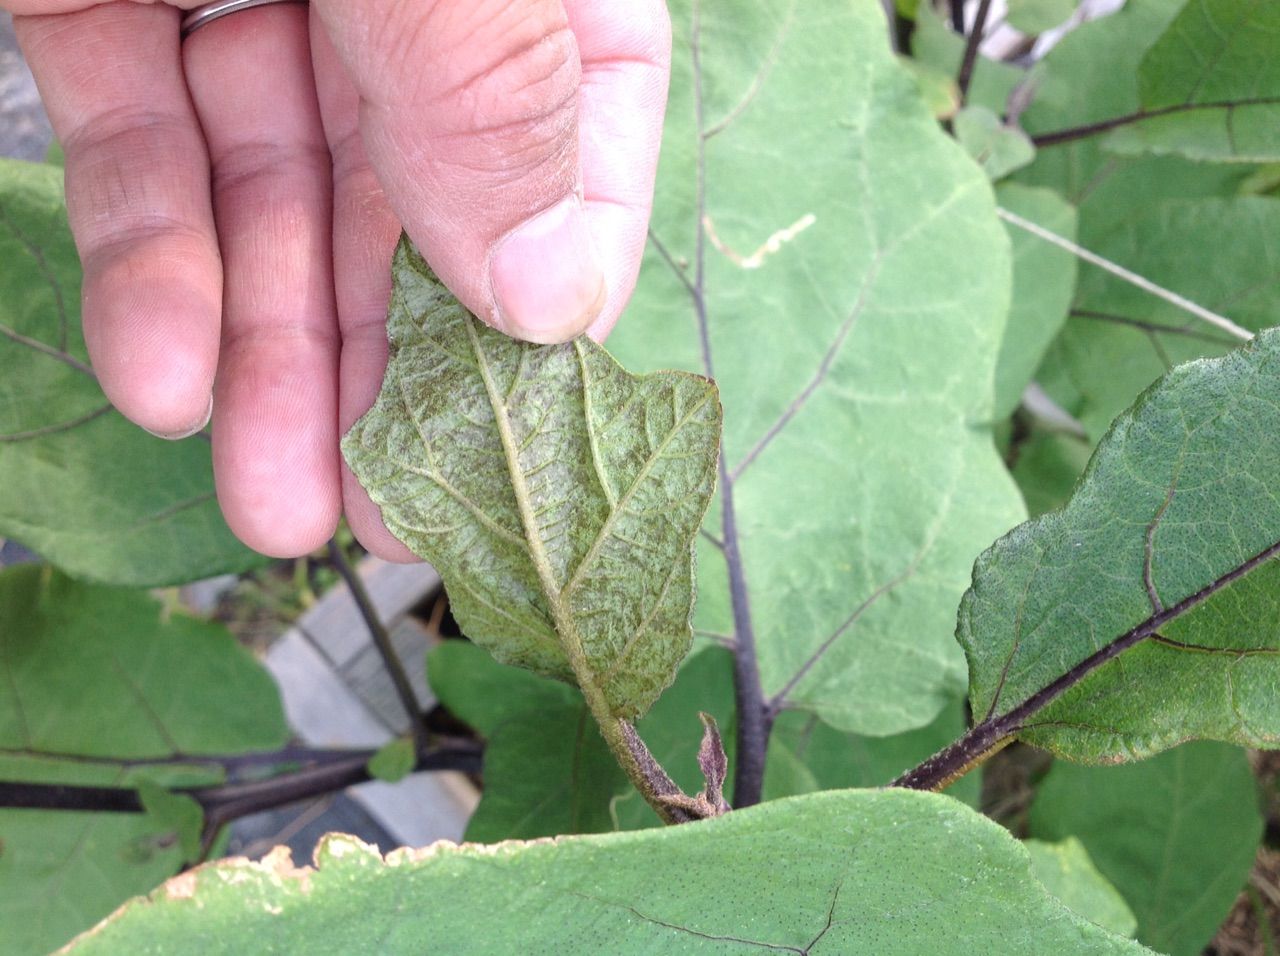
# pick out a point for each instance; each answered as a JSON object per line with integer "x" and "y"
{"x": 235, "y": 198}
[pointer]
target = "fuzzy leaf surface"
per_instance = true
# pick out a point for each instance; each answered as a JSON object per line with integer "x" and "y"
{"x": 79, "y": 484}
{"x": 1176, "y": 834}
{"x": 854, "y": 872}
{"x": 557, "y": 494}
{"x": 1154, "y": 593}
{"x": 845, "y": 326}
{"x": 92, "y": 680}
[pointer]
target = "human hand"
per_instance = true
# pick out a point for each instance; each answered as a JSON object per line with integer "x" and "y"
{"x": 235, "y": 198}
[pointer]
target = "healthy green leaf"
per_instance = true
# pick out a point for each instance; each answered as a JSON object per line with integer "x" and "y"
{"x": 1146, "y": 611}
{"x": 92, "y": 680}
{"x": 1037, "y": 16}
{"x": 557, "y": 495}
{"x": 1119, "y": 338}
{"x": 1068, "y": 873}
{"x": 547, "y": 771}
{"x": 1176, "y": 834}
{"x": 806, "y": 755}
{"x": 995, "y": 146}
{"x": 394, "y": 760}
{"x": 1044, "y": 279}
{"x": 78, "y": 483}
{"x": 1210, "y": 86}
{"x": 1088, "y": 78}
{"x": 854, "y": 872}
{"x": 846, "y": 326}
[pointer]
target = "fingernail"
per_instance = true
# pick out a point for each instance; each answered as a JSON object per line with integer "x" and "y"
{"x": 186, "y": 433}
{"x": 546, "y": 275}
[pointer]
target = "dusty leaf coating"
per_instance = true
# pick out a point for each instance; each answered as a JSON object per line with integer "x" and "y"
{"x": 557, "y": 494}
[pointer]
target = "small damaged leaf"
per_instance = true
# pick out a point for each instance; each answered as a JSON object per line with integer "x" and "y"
{"x": 557, "y": 494}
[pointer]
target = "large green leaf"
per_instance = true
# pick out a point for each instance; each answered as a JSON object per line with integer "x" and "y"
{"x": 853, "y": 872}
{"x": 1088, "y": 78}
{"x": 78, "y": 483}
{"x": 557, "y": 494}
{"x": 831, "y": 257}
{"x": 1120, "y": 338}
{"x": 1146, "y": 611}
{"x": 1210, "y": 86}
{"x": 1176, "y": 834}
{"x": 546, "y": 769}
{"x": 1037, "y": 16}
{"x": 1067, "y": 872}
{"x": 806, "y": 755}
{"x": 92, "y": 681}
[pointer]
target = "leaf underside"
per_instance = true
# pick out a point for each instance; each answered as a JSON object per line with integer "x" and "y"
{"x": 853, "y": 872}
{"x": 557, "y": 495}
{"x": 1153, "y": 594}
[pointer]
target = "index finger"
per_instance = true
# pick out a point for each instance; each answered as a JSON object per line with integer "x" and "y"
{"x": 138, "y": 201}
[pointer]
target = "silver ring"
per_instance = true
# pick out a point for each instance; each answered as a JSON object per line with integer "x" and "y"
{"x": 200, "y": 16}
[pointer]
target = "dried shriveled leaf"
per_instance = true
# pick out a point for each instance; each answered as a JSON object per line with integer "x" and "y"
{"x": 1176, "y": 833}
{"x": 1153, "y": 596}
{"x": 93, "y": 680}
{"x": 887, "y": 872}
{"x": 79, "y": 484}
{"x": 557, "y": 495}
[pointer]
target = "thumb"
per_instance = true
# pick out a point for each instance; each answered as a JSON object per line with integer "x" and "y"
{"x": 469, "y": 115}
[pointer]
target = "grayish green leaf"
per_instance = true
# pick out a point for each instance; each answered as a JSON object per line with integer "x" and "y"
{"x": 1044, "y": 280}
{"x": 998, "y": 148}
{"x": 846, "y": 326}
{"x": 1068, "y": 873}
{"x": 1153, "y": 593}
{"x": 1176, "y": 834}
{"x": 557, "y": 495}
{"x": 78, "y": 483}
{"x": 1211, "y": 85}
{"x": 856, "y": 872}
{"x": 92, "y": 678}
{"x": 1037, "y": 16}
